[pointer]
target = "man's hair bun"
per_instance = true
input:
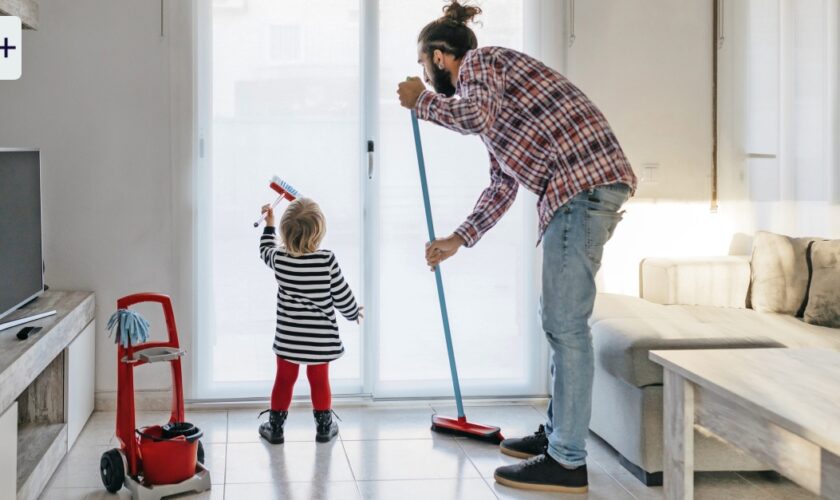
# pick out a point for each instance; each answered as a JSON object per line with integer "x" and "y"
{"x": 460, "y": 14}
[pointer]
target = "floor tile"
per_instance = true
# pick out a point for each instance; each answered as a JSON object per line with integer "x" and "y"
{"x": 80, "y": 468}
{"x": 412, "y": 459}
{"x": 637, "y": 489}
{"x": 707, "y": 486}
{"x": 515, "y": 420}
{"x": 216, "y": 493}
{"x": 292, "y": 461}
{"x": 541, "y": 407}
{"x": 723, "y": 486}
{"x": 243, "y": 426}
{"x": 777, "y": 488}
{"x": 486, "y": 457}
{"x": 335, "y": 490}
{"x": 386, "y": 423}
{"x": 99, "y": 430}
{"x": 601, "y": 487}
{"x": 392, "y": 453}
{"x": 424, "y": 489}
{"x": 213, "y": 424}
{"x": 214, "y": 460}
{"x": 604, "y": 455}
{"x": 83, "y": 494}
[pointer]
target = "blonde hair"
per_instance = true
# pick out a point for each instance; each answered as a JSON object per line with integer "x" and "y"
{"x": 302, "y": 227}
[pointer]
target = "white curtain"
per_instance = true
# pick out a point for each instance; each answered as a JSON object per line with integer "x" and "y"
{"x": 791, "y": 122}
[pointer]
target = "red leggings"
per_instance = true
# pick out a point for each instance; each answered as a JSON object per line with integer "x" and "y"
{"x": 284, "y": 384}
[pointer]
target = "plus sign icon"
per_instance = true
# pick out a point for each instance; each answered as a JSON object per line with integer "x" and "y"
{"x": 10, "y": 47}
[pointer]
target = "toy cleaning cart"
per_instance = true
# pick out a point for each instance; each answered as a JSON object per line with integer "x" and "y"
{"x": 160, "y": 460}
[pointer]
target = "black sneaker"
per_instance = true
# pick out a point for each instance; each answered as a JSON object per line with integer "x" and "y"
{"x": 543, "y": 473}
{"x": 272, "y": 431}
{"x": 326, "y": 427}
{"x": 526, "y": 447}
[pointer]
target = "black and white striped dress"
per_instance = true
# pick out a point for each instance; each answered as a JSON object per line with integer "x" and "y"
{"x": 310, "y": 288}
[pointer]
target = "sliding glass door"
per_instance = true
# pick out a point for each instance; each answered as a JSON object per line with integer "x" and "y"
{"x": 284, "y": 89}
{"x": 487, "y": 286}
{"x": 283, "y": 100}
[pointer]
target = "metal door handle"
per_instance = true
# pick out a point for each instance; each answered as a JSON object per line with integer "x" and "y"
{"x": 370, "y": 151}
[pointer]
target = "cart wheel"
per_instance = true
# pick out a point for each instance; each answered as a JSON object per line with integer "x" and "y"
{"x": 111, "y": 470}
{"x": 200, "y": 453}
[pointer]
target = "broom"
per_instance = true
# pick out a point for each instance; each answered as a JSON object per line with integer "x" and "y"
{"x": 284, "y": 191}
{"x": 458, "y": 426}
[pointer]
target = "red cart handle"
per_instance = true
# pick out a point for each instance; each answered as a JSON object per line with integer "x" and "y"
{"x": 169, "y": 315}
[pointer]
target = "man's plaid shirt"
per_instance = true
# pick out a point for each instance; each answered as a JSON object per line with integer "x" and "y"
{"x": 540, "y": 130}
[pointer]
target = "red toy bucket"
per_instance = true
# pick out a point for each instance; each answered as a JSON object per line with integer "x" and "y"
{"x": 166, "y": 459}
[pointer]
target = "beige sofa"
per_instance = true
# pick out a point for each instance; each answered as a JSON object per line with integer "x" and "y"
{"x": 684, "y": 304}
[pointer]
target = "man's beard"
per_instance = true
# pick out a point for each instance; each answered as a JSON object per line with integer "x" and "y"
{"x": 442, "y": 81}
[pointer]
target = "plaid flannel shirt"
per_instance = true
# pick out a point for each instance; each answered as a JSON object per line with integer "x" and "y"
{"x": 541, "y": 132}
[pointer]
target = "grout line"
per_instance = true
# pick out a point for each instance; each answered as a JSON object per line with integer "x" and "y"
{"x": 539, "y": 412}
{"x": 615, "y": 480}
{"x": 483, "y": 479}
{"x": 350, "y": 466}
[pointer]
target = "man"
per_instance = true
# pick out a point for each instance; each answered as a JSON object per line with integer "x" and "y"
{"x": 542, "y": 133}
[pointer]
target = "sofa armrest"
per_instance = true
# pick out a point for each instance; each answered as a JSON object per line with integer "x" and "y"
{"x": 702, "y": 281}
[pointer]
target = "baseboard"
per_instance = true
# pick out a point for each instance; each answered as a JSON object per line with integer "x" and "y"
{"x": 161, "y": 400}
{"x": 143, "y": 400}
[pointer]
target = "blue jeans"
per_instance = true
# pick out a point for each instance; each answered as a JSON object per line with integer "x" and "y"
{"x": 572, "y": 247}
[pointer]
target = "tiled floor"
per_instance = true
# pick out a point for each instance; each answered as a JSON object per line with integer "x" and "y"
{"x": 382, "y": 453}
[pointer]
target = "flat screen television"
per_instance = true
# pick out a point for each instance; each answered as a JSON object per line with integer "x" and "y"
{"x": 21, "y": 257}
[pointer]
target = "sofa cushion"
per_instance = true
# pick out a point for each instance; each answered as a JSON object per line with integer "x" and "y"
{"x": 823, "y": 306}
{"x": 615, "y": 306}
{"x": 622, "y": 345}
{"x": 779, "y": 280}
{"x": 625, "y": 329}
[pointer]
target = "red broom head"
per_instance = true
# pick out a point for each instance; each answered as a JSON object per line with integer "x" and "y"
{"x": 283, "y": 188}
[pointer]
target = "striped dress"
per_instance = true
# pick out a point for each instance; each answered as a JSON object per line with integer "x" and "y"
{"x": 310, "y": 288}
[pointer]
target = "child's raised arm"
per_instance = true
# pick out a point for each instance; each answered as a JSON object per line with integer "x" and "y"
{"x": 268, "y": 240}
{"x": 342, "y": 296}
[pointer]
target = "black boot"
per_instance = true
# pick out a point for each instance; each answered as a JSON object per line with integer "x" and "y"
{"x": 527, "y": 446}
{"x": 272, "y": 431}
{"x": 326, "y": 427}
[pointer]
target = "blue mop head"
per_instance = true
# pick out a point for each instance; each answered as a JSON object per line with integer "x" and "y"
{"x": 132, "y": 329}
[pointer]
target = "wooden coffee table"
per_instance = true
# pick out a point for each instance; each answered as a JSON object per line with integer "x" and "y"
{"x": 781, "y": 406}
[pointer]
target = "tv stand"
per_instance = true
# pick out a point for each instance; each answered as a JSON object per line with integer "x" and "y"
{"x": 46, "y": 391}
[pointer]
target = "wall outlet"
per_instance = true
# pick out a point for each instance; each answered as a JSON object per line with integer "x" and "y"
{"x": 650, "y": 173}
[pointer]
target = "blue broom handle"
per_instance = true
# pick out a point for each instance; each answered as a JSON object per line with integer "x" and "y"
{"x": 441, "y": 297}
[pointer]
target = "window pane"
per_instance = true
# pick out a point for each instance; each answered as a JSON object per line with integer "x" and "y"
{"x": 285, "y": 87}
{"x": 485, "y": 285}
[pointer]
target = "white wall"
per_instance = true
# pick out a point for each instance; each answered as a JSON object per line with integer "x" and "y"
{"x": 95, "y": 98}
{"x": 647, "y": 64}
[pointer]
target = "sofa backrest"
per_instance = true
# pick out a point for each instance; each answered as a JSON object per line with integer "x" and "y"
{"x": 705, "y": 281}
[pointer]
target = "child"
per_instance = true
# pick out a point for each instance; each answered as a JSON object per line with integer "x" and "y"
{"x": 310, "y": 285}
